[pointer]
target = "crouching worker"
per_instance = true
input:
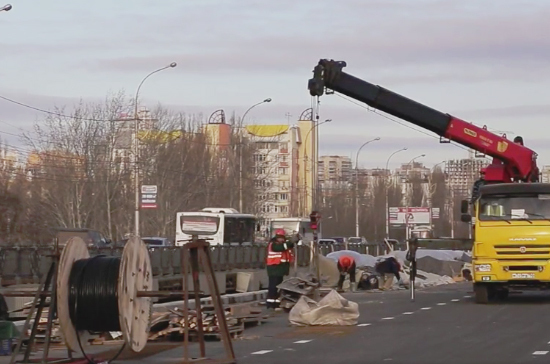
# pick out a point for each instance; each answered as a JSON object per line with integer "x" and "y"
{"x": 388, "y": 268}
{"x": 346, "y": 265}
{"x": 279, "y": 257}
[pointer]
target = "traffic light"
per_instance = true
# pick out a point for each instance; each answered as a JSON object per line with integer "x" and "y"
{"x": 314, "y": 220}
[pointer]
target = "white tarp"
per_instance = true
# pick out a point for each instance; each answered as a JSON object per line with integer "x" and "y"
{"x": 331, "y": 310}
{"x": 437, "y": 254}
{"x": 361, "y": 260}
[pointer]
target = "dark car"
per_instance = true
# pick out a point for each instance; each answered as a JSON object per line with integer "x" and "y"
{"x": 93, "y": 238}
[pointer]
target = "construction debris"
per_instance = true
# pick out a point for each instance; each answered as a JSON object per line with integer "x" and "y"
{"x": 292, "y": 289}
{"x": 171, "y": 324}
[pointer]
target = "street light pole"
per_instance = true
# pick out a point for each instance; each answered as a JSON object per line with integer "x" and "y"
{"x": 407, "y": 199}
{"x": 6, "y": 7}
{"x": 136, "y": 147}
{"x": 313, "y": 169}
{"x": 386, "y": 192}
{"x": 241, "y": 153}
{"x": 357, "y": 185}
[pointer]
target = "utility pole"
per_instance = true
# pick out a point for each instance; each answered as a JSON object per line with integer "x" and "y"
{"x": 407, "y": 199}
{"x": 241, "y": 153}
{"x": 357, "y": 185}
{"x": 313, "y": 170}
{"x": 136, "y": 148}
{"x": 387, "y": 185}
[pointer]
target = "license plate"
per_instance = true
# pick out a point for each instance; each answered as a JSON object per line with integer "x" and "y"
{"x": 523, "y": 275}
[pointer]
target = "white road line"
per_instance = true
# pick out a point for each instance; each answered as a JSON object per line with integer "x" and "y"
{"x": 467, "y": 296}
{"x": 455, "y": 300}
{"x": 441, "y": 304}
{"x": 361, "y": 325}
{"x": 426, "y": 308}
{"x": 302, "y": 341}
{"x": 540, "y": 353}
{"x": 408, "y": 313}
{"x": 261, "y": 352}
{"x": 387, "y": 318}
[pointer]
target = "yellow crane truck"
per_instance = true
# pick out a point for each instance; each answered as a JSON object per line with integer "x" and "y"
{"x": 511, "y": 229}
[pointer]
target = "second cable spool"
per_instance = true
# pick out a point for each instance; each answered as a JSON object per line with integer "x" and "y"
{"x": 105, "y": 293}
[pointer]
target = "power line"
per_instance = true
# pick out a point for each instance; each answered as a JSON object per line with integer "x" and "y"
{"x": 402, "y": 123}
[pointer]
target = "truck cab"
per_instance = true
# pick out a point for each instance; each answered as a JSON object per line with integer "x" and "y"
{"x": 511, "y": 230}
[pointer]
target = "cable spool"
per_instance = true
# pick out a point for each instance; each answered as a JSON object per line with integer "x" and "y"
{"x": 101, "y": 293}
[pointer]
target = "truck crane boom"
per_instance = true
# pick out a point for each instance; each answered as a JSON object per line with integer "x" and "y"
{"x": 512, "y": 162}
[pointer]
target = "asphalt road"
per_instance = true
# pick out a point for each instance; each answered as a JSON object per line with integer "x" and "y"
{"x": 444, "y": 325}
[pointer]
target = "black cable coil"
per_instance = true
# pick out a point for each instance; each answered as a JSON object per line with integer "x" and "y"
{"x": 93, "y": 294}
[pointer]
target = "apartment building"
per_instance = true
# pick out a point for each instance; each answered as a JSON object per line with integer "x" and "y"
{"x": 334, "y": 171}
{"x": 462, "y": 173}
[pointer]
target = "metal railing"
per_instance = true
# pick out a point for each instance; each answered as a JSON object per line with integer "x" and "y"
{"x": 23, "y": 264}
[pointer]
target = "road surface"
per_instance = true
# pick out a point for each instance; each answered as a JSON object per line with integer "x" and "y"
{"x": 444, "y": 325}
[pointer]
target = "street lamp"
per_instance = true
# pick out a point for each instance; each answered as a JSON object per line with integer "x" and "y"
{"x": 407, "y": 199}
{"x": 357, "y": 185}
{"x": 136, "y": 146}
{"x": 241, "y": 154}
{"x": 313, "y": 169}
{"x": 387, "y": 185}
{"x": 6, "y": 7}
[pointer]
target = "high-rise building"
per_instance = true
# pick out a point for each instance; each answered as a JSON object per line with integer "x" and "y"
{"x": 334, "y": 171}
{"x": 462, "y": 173}
{"x": 545, "y": 174}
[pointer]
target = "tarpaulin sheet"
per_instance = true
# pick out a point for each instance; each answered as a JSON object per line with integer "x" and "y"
{"x": 331, "y": 310}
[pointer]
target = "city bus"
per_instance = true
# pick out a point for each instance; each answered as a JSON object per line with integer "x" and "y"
{"x": 217, "y": 225}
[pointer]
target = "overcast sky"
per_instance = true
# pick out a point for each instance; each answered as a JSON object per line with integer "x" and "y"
{"x": 483, "y": 61}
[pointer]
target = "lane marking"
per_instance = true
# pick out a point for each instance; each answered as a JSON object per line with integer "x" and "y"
{"x": 361, "y": 325}
{"x": 426, "y": 308}
{"x": 408, "y": 313}
{"x": 441, "y": 304}
{"x": 467, "y": 296}
{"x": 540, "y": 353}
{"x": 455, "y": 300}
{"x": 261, "y": 352}
{"x": 302, "y": 341}
{"x": 387, "y": 318}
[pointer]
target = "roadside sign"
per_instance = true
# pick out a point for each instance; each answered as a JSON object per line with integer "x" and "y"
{"x": 435, "y": 213}
{"x": 412, "y": 215}
{"x": 149, "y": 196}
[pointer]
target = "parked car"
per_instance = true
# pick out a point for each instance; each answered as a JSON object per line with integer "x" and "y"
{"x": 151, "y": 242}
{"x": 327, "y": 241}
{"x": 339, "y": 239}
{"x": 357, "y": 240}
{"x": 93, "y": 238}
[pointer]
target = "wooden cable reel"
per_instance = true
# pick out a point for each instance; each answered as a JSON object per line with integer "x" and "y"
{"x": 135, "y": 275}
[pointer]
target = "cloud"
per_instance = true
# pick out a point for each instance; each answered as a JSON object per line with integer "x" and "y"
{"x": 482, "y": 45}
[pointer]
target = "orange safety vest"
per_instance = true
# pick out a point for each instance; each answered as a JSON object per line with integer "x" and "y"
{"x": 276, "y": 258}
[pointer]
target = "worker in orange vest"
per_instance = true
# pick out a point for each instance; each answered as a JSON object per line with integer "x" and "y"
{"x": 346, "y": 265}
{"x": 280, "y": 255}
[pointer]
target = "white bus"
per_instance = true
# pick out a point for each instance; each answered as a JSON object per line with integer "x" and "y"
{"x": 218, "y": 225}
{"x": 293, "y": 225}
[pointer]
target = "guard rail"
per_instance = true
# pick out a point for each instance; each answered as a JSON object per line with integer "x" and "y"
{"x": 21, "y": 264}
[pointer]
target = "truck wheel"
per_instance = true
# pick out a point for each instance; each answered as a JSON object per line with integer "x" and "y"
{"x": 481, "y": 292}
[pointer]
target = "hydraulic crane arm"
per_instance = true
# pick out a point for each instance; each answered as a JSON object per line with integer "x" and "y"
{"x": 512, "y": 162}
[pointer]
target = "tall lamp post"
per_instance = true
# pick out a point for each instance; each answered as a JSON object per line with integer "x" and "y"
{"x": 387, "y": 185}
{"x": 407, "y": 199}
{"x": 136, "y": 146}
{"x": 6, "y": 7}
{"x": 241, "y": 154}
{"x": 357, "y": 184}
{"x": 313, "y": 169}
